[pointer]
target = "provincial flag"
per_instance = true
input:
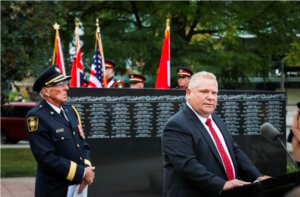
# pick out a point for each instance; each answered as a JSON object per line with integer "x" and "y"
{"x": 77, "y": 71}
{"x": 163, "y": 76}
{"x": 77, "y": 65}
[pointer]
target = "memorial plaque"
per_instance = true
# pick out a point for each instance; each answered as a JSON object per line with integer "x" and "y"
{"x": 123, "y": 128}
{"x": 244, "y": 112}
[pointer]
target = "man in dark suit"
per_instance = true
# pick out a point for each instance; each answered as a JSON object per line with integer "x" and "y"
{"x": 56, "y": 139}
{"x": 200, "y": 157}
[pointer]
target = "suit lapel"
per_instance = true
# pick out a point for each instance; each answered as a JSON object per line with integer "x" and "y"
{"x": 72, "y": 121}
{"x": 199, "y": 127}
{"x": 61, "y": 119}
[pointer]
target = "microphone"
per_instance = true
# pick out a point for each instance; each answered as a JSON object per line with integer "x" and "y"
{"x": 272, "y": 134}
{"x": 269, "y": 132}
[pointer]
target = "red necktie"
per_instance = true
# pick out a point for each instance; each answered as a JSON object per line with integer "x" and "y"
{"x": 222, "y": 152}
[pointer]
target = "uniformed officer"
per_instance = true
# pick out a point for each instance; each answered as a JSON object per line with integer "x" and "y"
{"x": 136, "y": 81}
{"x": 112, "y": 82}
{"x": 56, "y": 138}
{"x": 183, "y": 77}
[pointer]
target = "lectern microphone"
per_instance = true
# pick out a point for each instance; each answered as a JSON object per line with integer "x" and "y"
{"x": 269, "y": 132}
{"x": 272, "y": 134}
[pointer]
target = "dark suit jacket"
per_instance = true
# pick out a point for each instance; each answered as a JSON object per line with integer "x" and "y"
{"x": 192, "y": 165}
{"x": 55, "y": 142}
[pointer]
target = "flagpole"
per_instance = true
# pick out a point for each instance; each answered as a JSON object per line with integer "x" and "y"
{"x": 167, "y": 26}
{"x": 76, "y": 21}
{"x": 99, "y": 42}
{"x": 56, "y": 26}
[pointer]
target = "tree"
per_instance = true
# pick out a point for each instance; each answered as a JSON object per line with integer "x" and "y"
{"x": 26, "y": 42}
{"x": 204, "y": 35}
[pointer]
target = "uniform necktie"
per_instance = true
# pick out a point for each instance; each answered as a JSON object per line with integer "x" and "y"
{"x": 222, "y": 152}
{"x": 62, "y": 113}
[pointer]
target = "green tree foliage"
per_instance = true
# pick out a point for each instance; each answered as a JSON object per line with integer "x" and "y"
{"x": 26, "y": 29}
{"x": 204, "y": 36}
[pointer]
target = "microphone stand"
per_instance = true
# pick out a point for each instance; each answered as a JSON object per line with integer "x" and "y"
{"x": 293, "y": 161}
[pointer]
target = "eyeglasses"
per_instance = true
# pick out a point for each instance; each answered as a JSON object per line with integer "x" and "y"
{"x": 60, "y": 84}
{"x": 183, "y": 76}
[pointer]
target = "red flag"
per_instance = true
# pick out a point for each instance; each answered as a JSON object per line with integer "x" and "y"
{"x": 58, "y": 58}
{"x": 77, "y": 71}
{"x": 163, "y": 76}
{"x": 77, "y": 65}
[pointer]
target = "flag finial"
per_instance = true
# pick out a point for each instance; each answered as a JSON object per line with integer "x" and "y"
{"x": 76, "y": 21}
{"x": 97, "y": 25}
{"x": 167, "y": 22}
{"x": 56, "y": 26}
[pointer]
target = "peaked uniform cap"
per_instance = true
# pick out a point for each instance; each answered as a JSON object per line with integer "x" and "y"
{"x": 136, "y": 78}
{"x": 109, "y": 64}
{"x": 184, "y": 71}
{"x": 50, "y": 76}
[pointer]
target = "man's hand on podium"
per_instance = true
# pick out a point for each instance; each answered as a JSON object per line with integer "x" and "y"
{"x": 234, "y": 183}
{"x": 261, "y": 178}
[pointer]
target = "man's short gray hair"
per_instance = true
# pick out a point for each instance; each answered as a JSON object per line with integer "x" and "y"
{"x": 199, "y": 76}
{"x": 42, "y": 94}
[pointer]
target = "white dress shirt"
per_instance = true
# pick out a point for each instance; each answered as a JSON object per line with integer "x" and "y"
{"x": 203, "y": 121}
{"x": 58, "y": 110}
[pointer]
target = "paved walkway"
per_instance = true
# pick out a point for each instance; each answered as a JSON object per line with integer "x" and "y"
{"x": 16, "y": 187}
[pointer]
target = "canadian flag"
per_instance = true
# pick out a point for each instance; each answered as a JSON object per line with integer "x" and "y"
{"x": 163, "y": 76}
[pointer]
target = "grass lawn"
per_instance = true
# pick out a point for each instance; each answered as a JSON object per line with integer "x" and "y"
{"x": 17, "y": 162}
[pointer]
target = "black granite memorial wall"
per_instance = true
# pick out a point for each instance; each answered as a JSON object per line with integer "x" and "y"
{"x": 123, "y": 128}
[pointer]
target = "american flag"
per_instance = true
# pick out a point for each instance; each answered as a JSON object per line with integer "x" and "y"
{"x": 96, "y": 75}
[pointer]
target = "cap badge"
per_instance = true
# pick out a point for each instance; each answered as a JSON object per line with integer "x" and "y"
{"x": 57, "y": 69}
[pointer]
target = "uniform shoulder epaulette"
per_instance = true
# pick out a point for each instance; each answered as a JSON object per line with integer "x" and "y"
{"x": 35, "y": 109}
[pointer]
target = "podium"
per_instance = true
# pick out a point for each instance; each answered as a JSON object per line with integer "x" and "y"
{"x": 273, "y": 187}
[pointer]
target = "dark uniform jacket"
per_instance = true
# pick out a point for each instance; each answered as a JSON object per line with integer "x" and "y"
{"x": 60, "y": 151}
{"x": 192, "y": 165}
